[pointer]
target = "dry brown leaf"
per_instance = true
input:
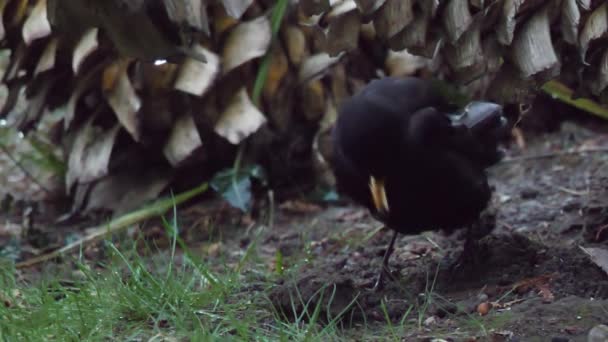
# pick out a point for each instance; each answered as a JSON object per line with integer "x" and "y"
{"x": 121, "y": 96}
{"x": 83, "y": 83}
{"x": 343, "y": 32}
{"x": 85, "y": 47}
{"x": 316, "y": 65}
{"x": 532, "y": 48}
{"x": 545, "y": 293}
{"x": 222, "y": 22}
{"x": 2, "y": 28}
{"x": 196, "y": 77}
{"x": 313, "y": 7}
{"x": 595, "y": 27}
{"x": 402, "y": 63}
{"x": 506, "y": 25}
{"x": 47, "y": 60}
{"x": 570, "y": 20}
{"x": 190, "y": 12}
{"x": 519, "y": 137}
{"x": 90, "y": 154}
{"x": 157, "y": 79}
{"x": 248, "y": 40}
{"x": 467, "y": 51}
{"x": 413, "y": 36}
{"x": 393, "y": 17}
{"x": 19, "y": 13}
{"x": 279, "y": 67}
{"x": 112, "y": 73}
{"x": 601, "y": 81}
{"x": 535, "y": 282}
{"x": 296, "y": 44}
{"x": 368, "y": 7}
{"x": 36, "y": 25}
{"x": 240, "y": 119}
{"x": 183, "y": 139}
{"x": 456, "y": 19}
{"x": 350, "y": 215}
{"x": 127, "y": 190}
{"x": 313, "y": 94}
{"x": 299, "y": 207}
{"x": 236, "y": 8}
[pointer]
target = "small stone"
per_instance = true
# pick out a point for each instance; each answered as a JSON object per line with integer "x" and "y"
{"x": 571, "y": 206}
{"x": 482, "y": 297}
{"x": 560, "y": 339}
{"x": 430, "y": 321}
{"x": 528, "y": 193}
{"x": 599, "y": 333}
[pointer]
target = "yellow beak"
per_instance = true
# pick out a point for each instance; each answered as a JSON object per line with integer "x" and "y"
{"x": 376, "y": 187}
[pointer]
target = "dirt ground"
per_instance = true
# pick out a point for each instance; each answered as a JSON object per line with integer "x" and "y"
{"x": 531, "y": 280}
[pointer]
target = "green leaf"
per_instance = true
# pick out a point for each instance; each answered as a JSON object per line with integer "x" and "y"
{"x": 562, "y": 93}
{"x": 234, "y": 185}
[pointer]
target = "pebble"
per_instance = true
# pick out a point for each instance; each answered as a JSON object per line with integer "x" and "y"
{"x": 560, "y": 339}
{"x": 599, "y": 333}
{"x": 529, "y": 193}
{"x": 430, "y": 321}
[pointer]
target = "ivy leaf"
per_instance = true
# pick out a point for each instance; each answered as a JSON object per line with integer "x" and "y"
{"x": 235, "y": 185}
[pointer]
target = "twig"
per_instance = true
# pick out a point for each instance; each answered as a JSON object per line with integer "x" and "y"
{"x": 554, "y": 154}
{"x": 155, "y": 209}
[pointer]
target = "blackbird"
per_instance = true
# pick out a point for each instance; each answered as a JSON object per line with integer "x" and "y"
{"x": 416, "y": 161}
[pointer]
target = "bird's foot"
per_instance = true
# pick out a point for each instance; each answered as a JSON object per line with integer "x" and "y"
{"x": 465, "y": 263}
{"x": 381, "y": 280}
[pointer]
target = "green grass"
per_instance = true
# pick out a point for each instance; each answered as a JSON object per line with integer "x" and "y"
{"x": 174, "y": 294}
{"x": 135, "y": 298}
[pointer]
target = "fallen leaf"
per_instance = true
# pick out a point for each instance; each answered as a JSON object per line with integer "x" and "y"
{"x": 526, "y": 285}
{"x": 545, "y": 293}
{"x": 300, "y": 207}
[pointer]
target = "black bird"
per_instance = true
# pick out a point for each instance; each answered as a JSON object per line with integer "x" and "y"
{"x": 413, "y": 159}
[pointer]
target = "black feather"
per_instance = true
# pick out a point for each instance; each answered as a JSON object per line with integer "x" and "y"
{"x": 432, "y": 160}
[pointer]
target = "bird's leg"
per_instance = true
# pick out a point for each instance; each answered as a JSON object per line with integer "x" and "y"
{"x": 468, "y": 252}
{"x": 385, "y": 269}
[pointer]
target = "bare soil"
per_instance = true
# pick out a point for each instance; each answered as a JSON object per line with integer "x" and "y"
{"x": 529, "y": 281}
